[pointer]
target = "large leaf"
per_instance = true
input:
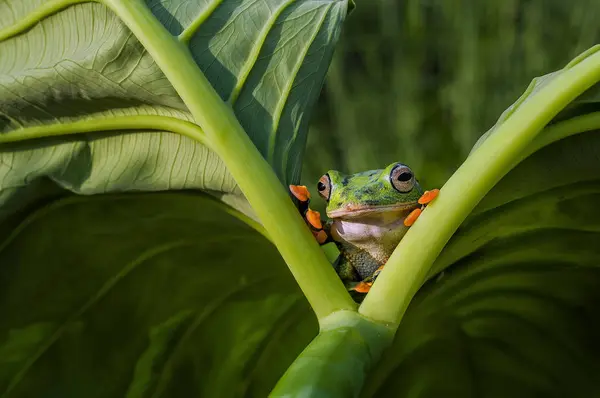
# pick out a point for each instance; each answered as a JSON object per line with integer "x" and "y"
{"x": 179, "y": 312}
{"x": 81, "y": 64}
{"x": 141, "y": 295}
{"x": 510, "y": 309}
{"x": 515, "y": 312}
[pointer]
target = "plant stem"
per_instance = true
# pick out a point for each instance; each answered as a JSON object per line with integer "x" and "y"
{"x": 410, "y": 263}
{"x": 336, "y": 363}
{"x": 227, "y": 138}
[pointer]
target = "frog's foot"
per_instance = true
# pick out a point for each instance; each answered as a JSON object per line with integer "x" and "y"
{"x": 312, "y": 217}
{"x": 425, "y": 199}
{"x": 365, "y": 285}
{"x": 428, "y": 196}
{"x": 357, "y": 290}
{"x": 412, "y": 217}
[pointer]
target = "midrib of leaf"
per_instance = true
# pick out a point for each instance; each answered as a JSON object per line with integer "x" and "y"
{"x": 104, "y": 290}
{"x": 285, "y": 93}
{"x": 46, "y": 9}
{"x": 254, "y": 53}
{"x": 564, "y": 129}
{"x": 106, "y": 124}
{"x": 189, "y": 32}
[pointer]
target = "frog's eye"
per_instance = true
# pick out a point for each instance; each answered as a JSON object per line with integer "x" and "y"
{"x": 402, "y": 178}
{"x": 324, "y": 186}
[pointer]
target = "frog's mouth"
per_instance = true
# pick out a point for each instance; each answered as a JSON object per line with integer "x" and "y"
{"x": 355, "y": 211}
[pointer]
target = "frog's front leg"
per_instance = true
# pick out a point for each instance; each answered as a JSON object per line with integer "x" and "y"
{"x": 424, "y": 200}
{"x": 312, "y": 217}
{"x": 320, "y": 230}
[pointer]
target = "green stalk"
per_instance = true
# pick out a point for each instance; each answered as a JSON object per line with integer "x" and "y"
{"x": 410, "y": 263}
{"x": 227, "y": 138}
{"x": 336, "y": 363}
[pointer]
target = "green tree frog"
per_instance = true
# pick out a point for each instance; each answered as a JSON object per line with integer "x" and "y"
{"x": 369, "y": 213}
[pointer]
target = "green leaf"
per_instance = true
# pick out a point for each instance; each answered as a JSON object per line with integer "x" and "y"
{"x": 202, "y": 305}
{"x": 515, "y": 312}
{"x": 84, "y": 108}
{"x": 65, "y": 62}
{"x": 510, "y": 306}
{"x": 174, "y": 294}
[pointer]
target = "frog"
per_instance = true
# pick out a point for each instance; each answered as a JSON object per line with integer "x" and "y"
{"x": 368, "y": 214}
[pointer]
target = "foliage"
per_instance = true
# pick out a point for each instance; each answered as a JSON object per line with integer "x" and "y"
{"x": 176, "y": 294}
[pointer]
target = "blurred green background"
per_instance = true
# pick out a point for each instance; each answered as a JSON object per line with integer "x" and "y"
{"x": 419, "y": 81}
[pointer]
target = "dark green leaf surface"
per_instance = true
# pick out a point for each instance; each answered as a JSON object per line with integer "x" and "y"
{"x": 145, "y": 295}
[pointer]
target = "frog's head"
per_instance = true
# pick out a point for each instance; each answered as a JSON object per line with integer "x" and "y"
{"x": 371, "y": 192}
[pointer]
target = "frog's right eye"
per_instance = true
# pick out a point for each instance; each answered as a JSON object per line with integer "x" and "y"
{"x": 324, "y": 186}
{"x": 402, "y": 178}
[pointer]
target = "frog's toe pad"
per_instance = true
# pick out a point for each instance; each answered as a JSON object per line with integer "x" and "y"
{"x": 363, "y": 287}
{"x": 314, "y": 218}
{"x": 300, "y": 192}
{"x": 320, "y": 236}
{"x": 428, "y": 196}
{"x": 412, "y": 217}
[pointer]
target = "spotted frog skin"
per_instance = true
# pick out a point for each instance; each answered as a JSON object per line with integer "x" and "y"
{"x": 368, "y": 215}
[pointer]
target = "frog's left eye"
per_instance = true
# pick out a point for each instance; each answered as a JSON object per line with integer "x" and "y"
{"x": 402, "y": 178}
{"x": 324, "y": 186}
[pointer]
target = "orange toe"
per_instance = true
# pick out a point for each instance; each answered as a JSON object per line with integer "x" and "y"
{"x": 428, "y": 196}
{"x": 314, "y": 218}
{"x": 300, "y": 192}
{"x": 321, "y": 236}
{"x": 363, "y": 287}
{"x": 412, "y": 217}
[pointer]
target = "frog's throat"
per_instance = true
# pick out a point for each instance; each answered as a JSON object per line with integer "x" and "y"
{"x": 353, "y": 211}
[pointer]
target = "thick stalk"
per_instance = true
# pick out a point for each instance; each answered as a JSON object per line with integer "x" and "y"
{"x": 227, "y": 138}
{"x": 337, "y": 361}
{"x": 410, "y": 263}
